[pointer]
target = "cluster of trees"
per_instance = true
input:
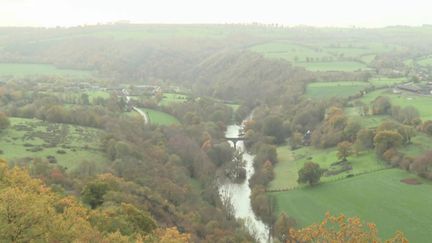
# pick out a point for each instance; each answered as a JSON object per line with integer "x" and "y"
{"x": 4, "y": 121}
{"x": 340, "y": 229}
{"x": 30, "y": 211}
{"x": 337, "y": 127}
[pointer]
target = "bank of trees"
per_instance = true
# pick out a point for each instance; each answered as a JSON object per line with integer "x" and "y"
{"x": 31, "y": 211}
{"x": 4, "y": 121}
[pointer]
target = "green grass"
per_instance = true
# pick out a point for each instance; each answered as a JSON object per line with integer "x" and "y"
{"x": 80, "y": 143}
{"x": 420, "y": 144}
{"x": 377, "y": 197}
{"x": 160, "y": 118}
{"x": 234, "y": 106}
{"x": 425, "y": 61}
{"x": 370, "y": 121}
{"x": 98, "y": 94}
{"x": 290, "y": 163}
{"x": 368, "y": 58}
{"x": 345, "y": 66}
{"x": 334, "y": 89}
{"x": 169, "y": 98}
{"x": 16, "y": 69}
{"x": 422, "y": 103}
{"x": 289, "y": 51}
{"x": 384, "y": 81}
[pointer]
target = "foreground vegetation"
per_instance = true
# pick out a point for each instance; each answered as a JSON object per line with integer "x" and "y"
{"x": 379, "y": 197}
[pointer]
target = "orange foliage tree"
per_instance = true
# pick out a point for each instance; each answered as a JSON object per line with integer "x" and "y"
{"x": 341, "y": 229}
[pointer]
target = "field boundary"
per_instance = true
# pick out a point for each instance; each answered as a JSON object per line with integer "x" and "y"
{"x": 339, "y": 178}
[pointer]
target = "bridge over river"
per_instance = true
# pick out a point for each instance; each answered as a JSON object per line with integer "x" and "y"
{"x": 235, "y": 140}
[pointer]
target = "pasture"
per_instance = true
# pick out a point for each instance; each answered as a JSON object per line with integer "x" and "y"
{"x": 349, "y": 56}
{"x": 170, "y": 98}
{"x": 69, "y": 144}
{"x": 289, "y": 51}
{"x": 290, "y": 162}
{"x": 344, "y": 66}
{"x": 160, "y": 118}
{"x": 425, "y": 61}
{"x": 334, "y": 89}
{"x": 378, "y": 197}
{"x": 22, "y": 70}
{"x": 384, "y": 81}
{"x": 422, "y": 103}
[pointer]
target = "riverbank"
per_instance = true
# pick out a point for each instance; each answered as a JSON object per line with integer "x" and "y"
{"x": 238, "y": 194}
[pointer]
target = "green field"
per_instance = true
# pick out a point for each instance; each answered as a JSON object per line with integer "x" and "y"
{"x": 324, "y": 57}
{"x": 98, "y": 94}
{"x": 289, "y": 51}
{"x": 425, "y": 61}
{"x": 169, "y": 98}
{"x": 17, "y": 69}
{"x": 369, "y": 121}
{"x": 32, "y": 138}
{"x": 290, "y": 163}
{"x": 420, "y": 144}
{"x": 422, "y": 103}
{"x": 345, "y": 66}
{"x": 334, "y": 89}
{"x": 384, "y": 81}
{"x": 367, "y": 58}
{"x": 160, "y": 118}
{"x": 377, "y": 197}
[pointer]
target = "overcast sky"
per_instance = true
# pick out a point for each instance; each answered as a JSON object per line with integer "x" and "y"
{"x": 365, "y": 13}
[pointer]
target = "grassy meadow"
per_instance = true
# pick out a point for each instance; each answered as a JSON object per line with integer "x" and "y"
{"x": 22, "y": 70}
{"x": 378, "y": 197}
{"x": 291, "y": 161}
{"x": 344, "y": 66}
{"x": 170, "y": 98}
{"x": 32, "y": 138}
{"x": 422, "y": 103}
{"x": 160, "y": 118}
{"x": 320, "y": 90}
{"x": 348, "y": 56}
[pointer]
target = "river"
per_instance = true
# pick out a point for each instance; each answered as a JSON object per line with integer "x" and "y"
{"x": 238, "y": 194}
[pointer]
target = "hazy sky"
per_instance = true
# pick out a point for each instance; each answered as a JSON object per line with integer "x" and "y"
{"x": 369, "y": 13}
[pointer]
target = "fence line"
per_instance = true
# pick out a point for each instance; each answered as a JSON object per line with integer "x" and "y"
{"x": 339, "y": 178}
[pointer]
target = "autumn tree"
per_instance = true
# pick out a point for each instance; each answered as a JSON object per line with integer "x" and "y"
{"x": 344, "y": 150}
{"x": 427, "y": 127}
{"x": 385, "y": 140}
{"x": 381, "y": 105}
{"x": 310, "y": 173}
{"x": 273, "y": 126}
{"x": 93, "y": 193}
{"x": 364, "y": 139}
{"x": 282, "y": 227}
{"x": 4, "y": 121}
{"x": 342, "y": 229}
{"x": 296, "y": 140}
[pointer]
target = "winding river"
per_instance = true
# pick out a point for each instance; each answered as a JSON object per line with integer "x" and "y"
{"x": 238, "y": 194}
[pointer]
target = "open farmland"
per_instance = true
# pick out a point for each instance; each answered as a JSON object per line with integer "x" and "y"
{"x": 17, "y": 69}
{"x": 338, "y": 89}
{"x": 160, "y": 118}
{"x": 69, "y": 144}
{"x": 422, "y": 103}
{"x": 378, "y": 197}
{"x": 290, "y": 162}
{"x": 346, "y": 66}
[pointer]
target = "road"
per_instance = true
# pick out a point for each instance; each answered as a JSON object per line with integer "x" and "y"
{"x": 143, "y": 114}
